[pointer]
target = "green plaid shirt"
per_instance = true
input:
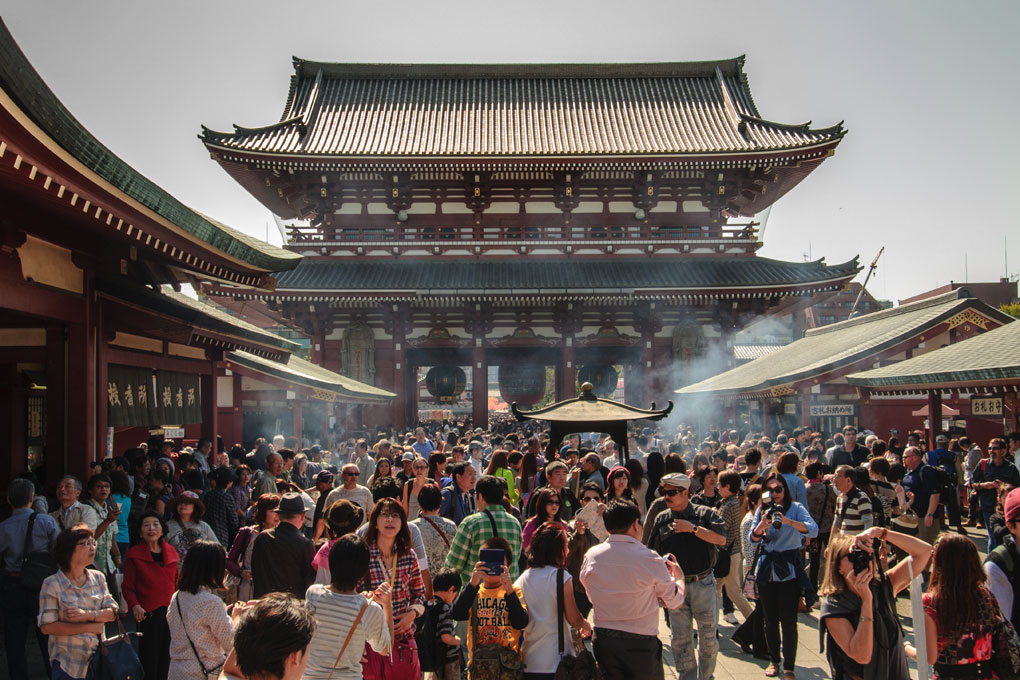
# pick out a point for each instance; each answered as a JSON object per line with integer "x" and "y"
{"x": 474, "y": 530}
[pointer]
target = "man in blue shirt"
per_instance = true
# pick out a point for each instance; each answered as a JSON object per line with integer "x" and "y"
{"x": 992, "y": 473}
{"x": 943, "y": 458}
{"x": 923, "y": 482}
{"x": 422, "y": 446}
{"x": 20, "y": 606}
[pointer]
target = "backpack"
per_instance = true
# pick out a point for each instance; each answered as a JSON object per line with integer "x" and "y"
{"x": 431, "y": 650}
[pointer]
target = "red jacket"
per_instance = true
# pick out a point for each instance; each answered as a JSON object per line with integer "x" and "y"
{"x": 145, "y": 581}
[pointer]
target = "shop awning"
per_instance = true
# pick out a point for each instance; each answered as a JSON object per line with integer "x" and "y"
{"x": 946, "y": 411}
{"x": 842, "y": 346}
{"x": 208, "y": 325}
{"x": 321, "y": 383}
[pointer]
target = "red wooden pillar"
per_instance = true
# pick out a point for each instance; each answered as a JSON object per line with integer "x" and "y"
{"x": 805, "y": 407}
{"x": 318, "y": 346}
{"x": 566, "y": 373}
{"x": 648, "y": 384}
{"x": 404, "y": 408}
{"x": 81, "y": 387}
{"x": 208, "y": 387}
{"x": 766, "y": 417}
{"x": 56, "y": 400}
{"x": 103, "y": 437}
{"x": 479, "y": 386}
{"x": 297, "y": 413}
{"x": 237, "y": 415}
{"x": 934, "y": 417}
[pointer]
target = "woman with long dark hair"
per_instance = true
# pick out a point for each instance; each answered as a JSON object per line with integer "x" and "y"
{"x": 499, "y": 466}
{"x": 201, "y": 632}
{"x": 638, "y": 484}
{"x": 546, "y": 574}
{"x": 781, "y": 527}
{"x": 529, "y": 476}
{"x": 547, "y": 509}
{"x": 709, "y": 494}
{"x": 383, "y": 468}
{"x": 391, "y": 560}
{"x": 618, "y": 484}
{"x": 963, "y": 620}
{"x": 656, "y": 465}
{"x": 437, "y": 468}
{"x": 341, "y": 518}
{"x": 239, "y": 559}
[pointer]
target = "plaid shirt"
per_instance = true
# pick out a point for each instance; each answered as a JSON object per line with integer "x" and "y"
{"x": 73, "y": 651}
{"x": 408, "y": 587}
{"x": 475, "y": 530}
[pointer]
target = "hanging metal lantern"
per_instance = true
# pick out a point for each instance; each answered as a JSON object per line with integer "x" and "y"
{"x": 446, "y": 383}
{"x": 522, "y": 383}
{"x": 603, "y": 378}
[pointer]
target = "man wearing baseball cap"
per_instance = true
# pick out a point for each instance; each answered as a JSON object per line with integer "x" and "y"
{"x": 692, "y": 534}
{"x": 1002, "y": 566}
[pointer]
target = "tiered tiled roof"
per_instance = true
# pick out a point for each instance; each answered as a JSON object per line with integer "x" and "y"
{"x": 29, "y": 93}
{"x": 986, "y": 359}
{"x": 841, "y": 345}
{"x": 550, "y": 276}
{"x": 520, "y": 110}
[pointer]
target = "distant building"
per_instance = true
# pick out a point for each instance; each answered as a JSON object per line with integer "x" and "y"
{"x": 994, "y": 294}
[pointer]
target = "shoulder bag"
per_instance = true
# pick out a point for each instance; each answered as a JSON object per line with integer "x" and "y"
{"x": 205, "y": 671}
{"x": 35, "y": 566}
{"x": 492, "y": 523}
{"x": 493, "y": 661}
{"x": 578, "y": 666}
{"x": 117, "y": 657}
{"x": 439, "y": 531}
{"x": 750, "y": 576}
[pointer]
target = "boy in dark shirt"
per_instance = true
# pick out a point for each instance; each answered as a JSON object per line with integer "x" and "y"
{"x": 446, "y": 586}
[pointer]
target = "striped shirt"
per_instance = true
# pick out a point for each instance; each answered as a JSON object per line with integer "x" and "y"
{"x": 854, "y": 513}
{"x": 730, "y": 511}
{"x": 334, "y": 615}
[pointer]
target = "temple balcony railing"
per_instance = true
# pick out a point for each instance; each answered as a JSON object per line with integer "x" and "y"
{"x": 501, "y": 235}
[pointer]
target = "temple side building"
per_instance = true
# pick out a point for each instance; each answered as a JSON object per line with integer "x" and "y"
{"x": 584, "y": 217}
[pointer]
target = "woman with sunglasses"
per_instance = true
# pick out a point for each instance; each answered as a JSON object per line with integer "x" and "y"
{"x": 547, "y": 509}
{"x": 409, "y": 492}
{"x": 781, "y": 525}
{"x": 863, "y": 637}
{"x": 579, "y": 541}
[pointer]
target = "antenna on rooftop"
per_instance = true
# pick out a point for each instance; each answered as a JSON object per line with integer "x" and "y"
{"x": 871, "y": 270}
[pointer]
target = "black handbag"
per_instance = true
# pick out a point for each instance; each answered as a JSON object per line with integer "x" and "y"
{"x": 36, "y": 566}
{"x": 117, "y": 657}
{"x": 722, "y": 562}
{"x": 581, "y": 666}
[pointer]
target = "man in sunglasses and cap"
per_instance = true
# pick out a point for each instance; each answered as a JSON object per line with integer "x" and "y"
{"x": 351, "y": 490}
{"x": 693, "y": 535}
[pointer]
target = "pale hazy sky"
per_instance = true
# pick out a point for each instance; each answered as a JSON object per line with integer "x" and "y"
{"x": 928, "y": 90}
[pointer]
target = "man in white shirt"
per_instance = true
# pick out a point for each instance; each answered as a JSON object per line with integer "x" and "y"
{"x": 351, "y": 490}
{"x": 626, "y": 582}
{"x": 475, "y": 449}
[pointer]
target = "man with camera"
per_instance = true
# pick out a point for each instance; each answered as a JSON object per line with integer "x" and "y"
{"x": 692, "y": 534}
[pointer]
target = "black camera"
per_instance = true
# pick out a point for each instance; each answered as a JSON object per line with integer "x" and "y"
{"x": 771, "y": 511}
{"x": 860, "y": 559}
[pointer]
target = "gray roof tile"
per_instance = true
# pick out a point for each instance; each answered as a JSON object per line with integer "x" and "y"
{"x": 436, "y": 110}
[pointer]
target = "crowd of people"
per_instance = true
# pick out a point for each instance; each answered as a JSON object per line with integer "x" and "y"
{"x": 455, "y": 552}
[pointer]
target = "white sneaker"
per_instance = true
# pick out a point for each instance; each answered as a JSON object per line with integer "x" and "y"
{"x": 730, "y": 619}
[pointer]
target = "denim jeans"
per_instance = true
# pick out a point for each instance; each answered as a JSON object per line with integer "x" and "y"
{"x": 701, "y": 604}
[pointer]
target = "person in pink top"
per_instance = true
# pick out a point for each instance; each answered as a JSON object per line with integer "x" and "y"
{"x": 627, "y": 583}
